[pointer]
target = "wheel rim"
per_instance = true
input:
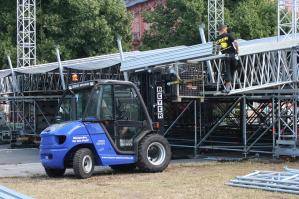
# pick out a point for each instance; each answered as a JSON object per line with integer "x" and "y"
{"x": 87, "y": 164}
{"x": 156, "y": 153}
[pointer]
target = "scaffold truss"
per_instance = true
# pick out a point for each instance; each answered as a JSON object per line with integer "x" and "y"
{"x": 26, "y": 33}
{"x": 215, "y": 17}
{"x": 288, "y": 18}
{"x": 258, "y": 68}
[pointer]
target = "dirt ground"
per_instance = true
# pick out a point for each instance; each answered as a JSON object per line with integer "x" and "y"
{"x": 184, "y": 180}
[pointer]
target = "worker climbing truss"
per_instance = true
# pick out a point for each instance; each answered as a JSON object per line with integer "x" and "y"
{"x": 262, "y": 65}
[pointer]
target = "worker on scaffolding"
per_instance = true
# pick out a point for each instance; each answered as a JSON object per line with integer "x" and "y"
{"x": 229, "y": 46}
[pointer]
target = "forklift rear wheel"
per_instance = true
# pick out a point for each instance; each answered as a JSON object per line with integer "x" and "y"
{"x": 83, "y": 163}
{"x": 55, "y": 173}
{"x": 123, "y": 168}
{"x": 154, "y": 153}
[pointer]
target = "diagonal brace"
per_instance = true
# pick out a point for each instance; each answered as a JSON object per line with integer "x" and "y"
{"x": 219, "y": 121}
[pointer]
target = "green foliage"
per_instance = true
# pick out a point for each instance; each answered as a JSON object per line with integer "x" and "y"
{"x": 80, "y": 28}
{"x": 88, "y": 27}
{"x": 174, "y": 24}
{"x": 7, "y": 30}
{"x": 253, "y": 18}
{"x": 177, "y": 24}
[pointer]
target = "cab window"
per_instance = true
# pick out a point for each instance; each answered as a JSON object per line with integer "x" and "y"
{"x": 100, "y": 105}
{"x": 127, "y": 104}
{"x": 106, "y": 103}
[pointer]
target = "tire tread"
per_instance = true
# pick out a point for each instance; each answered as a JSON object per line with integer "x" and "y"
{"x": 143, "y": 163}
{"x": 77, "y": 160}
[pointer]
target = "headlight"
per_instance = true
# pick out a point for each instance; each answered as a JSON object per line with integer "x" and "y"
{"x": 55, "y": 127}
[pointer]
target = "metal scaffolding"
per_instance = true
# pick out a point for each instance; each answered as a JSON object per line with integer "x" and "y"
{"x": 259, "y": 115}
{"x": 215, "y": 17}
{"x": 285, "y": 181}
{"x": 26, "y": 33}
{"x": 260, "y": 66}
{"x": 288, "y": 18}
{"x": 244, "y": 124}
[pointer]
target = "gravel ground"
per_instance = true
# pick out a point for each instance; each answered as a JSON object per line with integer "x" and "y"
{"x": 203, "y": 179}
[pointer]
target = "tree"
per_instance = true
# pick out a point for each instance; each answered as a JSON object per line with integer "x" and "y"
{"x": 80, "y": 28}
{"x": 177, "y": 22}
{"x": 253, "y": 18}
{"x": 174, "y": 24}
{"x": 7, "y": 30}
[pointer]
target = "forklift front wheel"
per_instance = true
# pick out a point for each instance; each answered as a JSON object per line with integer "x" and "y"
{"x": 154, "y": 153}
{"x": 83, "y": 163}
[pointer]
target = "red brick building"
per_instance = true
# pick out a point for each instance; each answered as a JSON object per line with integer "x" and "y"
{"x": 137, "y": 7}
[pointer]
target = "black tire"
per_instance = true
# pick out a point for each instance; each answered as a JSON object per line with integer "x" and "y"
{"x": 83, "y": 156}
{"x": 145, "y": 148}
{"x": 55, "y": 173}
{"x": 126, "y": 168}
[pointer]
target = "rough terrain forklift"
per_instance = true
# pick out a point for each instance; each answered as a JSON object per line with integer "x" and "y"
{"x": 116, "y": 131}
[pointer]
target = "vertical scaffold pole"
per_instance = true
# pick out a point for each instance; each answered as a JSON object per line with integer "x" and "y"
{"x": 195, "y": 128}
{"x": 203, "y": 40}
{"x": 273, "y": 126}
{"x": 60, "y": 69}
{"x": 15, "y": 86}
{"x": 278, "y": 117}
{"x": 122, "y": 57}
{"x": 244, "y": 121}
{"x": 296, "y": 94}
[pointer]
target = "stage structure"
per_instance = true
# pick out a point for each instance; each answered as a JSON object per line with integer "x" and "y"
{"x": 260, "y": 114}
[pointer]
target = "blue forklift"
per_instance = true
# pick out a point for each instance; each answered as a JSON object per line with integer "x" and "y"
{"x": 115, "y": 130}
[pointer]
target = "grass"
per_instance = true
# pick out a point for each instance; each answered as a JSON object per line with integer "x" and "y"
{"x": 187, "y": 180}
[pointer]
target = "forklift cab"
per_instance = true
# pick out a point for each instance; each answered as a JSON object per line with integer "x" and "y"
{"x": 119, "y": 108}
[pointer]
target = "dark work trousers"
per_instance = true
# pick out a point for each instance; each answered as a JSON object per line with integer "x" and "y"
{"x": 230, "y": 66}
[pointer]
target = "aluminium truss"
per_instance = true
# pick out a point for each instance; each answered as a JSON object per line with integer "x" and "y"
{"x": 258, "y": 68}
{"x": 286, "y": 181}
{"x": 26, "y": 33}
{"x": 215, "y": 17}
{"x": 50, "y": 82}
{"x": 288, "y": 18}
